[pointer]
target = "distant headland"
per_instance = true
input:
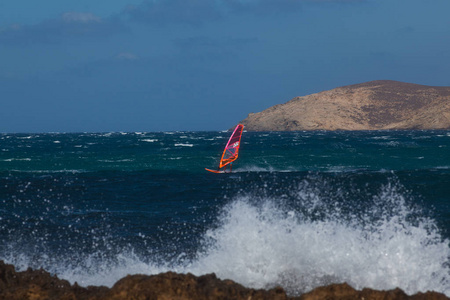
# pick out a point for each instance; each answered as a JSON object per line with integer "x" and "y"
{"x": 374, "y": 105}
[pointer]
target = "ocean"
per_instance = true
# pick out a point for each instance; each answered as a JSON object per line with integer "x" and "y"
{"x": 299, "y": 210}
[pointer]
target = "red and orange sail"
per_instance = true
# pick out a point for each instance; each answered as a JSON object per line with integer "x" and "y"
{"x": 231, "y": 151}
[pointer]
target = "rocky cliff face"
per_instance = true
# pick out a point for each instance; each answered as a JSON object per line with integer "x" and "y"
{"x": 375, "y": 105}
{"x": 40, "y": 285}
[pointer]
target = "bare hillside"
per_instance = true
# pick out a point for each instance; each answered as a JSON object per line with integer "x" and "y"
{"x": 374, "y": 105}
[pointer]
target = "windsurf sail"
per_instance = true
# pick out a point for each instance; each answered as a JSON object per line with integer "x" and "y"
{"x": 231, "y": 151}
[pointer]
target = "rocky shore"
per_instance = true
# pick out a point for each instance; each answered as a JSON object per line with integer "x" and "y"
{"x": 39, "y": 284}
{"x": 374, "y": 105}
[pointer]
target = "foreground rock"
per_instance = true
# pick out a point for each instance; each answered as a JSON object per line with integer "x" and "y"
{"x": 375, "y": 105}
{"x": 39, "y": 284}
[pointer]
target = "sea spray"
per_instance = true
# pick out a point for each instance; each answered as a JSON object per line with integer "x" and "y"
{"x": 265, "y": 243}
{"x": 298, "y": 234}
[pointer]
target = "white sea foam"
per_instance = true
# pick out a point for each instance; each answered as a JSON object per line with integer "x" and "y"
{"x": 107, "y": 274}
{"x": 73, "y": 171}
{"x": 183, "y": 145}
{"x": 253, "y": 168}
{"x": 260, "y": 242}
{"x": 149, "y": 140}
{"x": 262, "y": 246}
{"x": 115, "y": 161}
{"x": 265, "y": 245}
{"x": 383, "y": 137}
{"x": 442, "y": 167}
{"x": 17, "y": 159}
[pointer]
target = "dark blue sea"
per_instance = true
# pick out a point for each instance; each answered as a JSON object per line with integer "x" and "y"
{"x": 300, "y": 209}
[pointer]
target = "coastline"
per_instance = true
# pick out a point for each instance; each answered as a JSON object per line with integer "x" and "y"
{"x": 39, "y": 284}
{"x": 368, "y": 106}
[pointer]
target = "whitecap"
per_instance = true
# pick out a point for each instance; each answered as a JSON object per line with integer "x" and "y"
{"x": 17, "y": 159}
{"x": 261, "y": 243}
{"x": 264, "y": 245}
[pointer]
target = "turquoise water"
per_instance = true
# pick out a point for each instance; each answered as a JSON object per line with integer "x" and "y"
{"x": 301, "y": 209}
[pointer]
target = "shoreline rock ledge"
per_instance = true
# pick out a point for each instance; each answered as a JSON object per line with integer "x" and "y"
{"x": 40, "y": 285}
{"x": 374, "y": 105}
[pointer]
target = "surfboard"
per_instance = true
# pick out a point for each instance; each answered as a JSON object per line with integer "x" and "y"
{"x": 231, "y": 151}
{"x": 215, "y": 171}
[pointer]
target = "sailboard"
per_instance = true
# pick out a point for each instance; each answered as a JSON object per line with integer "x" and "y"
{"x": 231, "y": 151}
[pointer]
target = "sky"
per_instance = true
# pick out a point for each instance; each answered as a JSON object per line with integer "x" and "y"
{"x": 176, "y": 65}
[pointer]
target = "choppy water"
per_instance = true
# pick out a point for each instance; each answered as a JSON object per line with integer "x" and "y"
{"x": 301, "y": 209}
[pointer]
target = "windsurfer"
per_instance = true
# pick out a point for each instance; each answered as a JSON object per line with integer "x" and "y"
{"x": 230, "y": 153}
{"x": 225, "y": 168}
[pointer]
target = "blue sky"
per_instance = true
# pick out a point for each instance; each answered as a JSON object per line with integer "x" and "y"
{"x": 162, "y": 65}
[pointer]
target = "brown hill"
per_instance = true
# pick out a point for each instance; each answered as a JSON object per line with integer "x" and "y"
{"x": 374, "y": 105}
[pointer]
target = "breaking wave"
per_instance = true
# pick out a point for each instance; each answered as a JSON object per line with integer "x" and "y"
{"x": 308, "y": 234}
